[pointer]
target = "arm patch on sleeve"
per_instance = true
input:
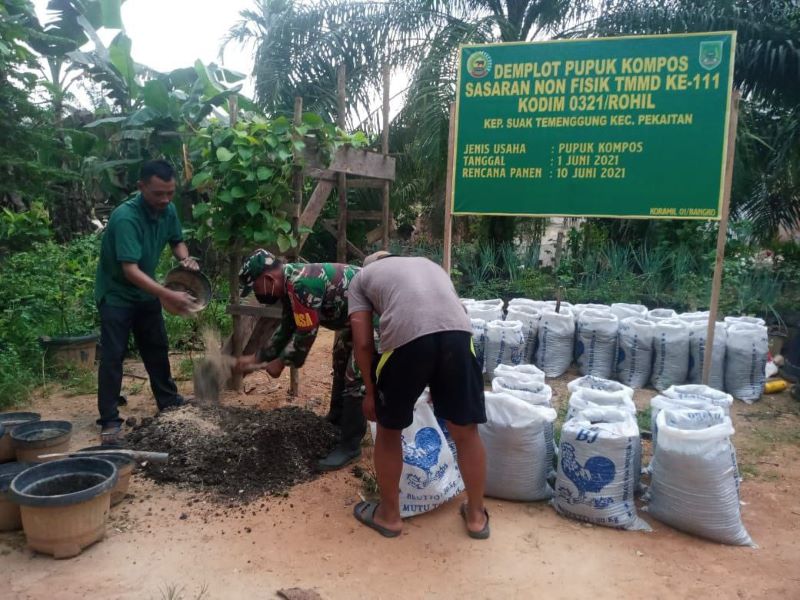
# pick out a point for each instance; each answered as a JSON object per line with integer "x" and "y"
{"x": 306, "y": 319}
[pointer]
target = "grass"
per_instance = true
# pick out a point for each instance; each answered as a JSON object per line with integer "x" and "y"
{"x": 369, "y": 482}
{"x": 79, "y": 382}
{"x": 185, "y": 369}
{"x": 175, "y": 592}
{"x": 643, "y": 419}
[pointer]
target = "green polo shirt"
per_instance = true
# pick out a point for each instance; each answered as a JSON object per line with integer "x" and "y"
{"x": 134, "y": 234}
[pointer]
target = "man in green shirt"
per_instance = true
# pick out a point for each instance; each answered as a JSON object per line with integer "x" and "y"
{"x": 128, "y": 297}
{"x": 312, "y": 295}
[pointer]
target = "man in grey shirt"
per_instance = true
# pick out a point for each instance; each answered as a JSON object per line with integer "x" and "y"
{"x": 426, "y": 340}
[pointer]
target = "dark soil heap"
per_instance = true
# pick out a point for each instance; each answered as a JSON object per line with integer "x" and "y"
{"x": 239, "y": 453}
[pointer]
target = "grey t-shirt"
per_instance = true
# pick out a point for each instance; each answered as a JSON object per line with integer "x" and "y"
{"x": 413, "y": 296}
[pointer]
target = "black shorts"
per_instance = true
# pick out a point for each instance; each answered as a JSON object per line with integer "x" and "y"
{"x": 445, "y": 362}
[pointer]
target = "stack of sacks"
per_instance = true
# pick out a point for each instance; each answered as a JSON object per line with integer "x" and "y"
{"x": 531, "y": 389}
{"x": 746, "y": 352}
{"x": 504, "y": 345}
{"x": 556, "y": 340}
{"x": 670, "y": 353}
{"x": 695, "y": 480}
{"x": 597, "y": 469}
{"x": 698, "y": 333}
{"x": 634, "y": 352}
{"x": 596, "y": 342}
{"x": 623, "y": 310}
{"x": 661, "y": 314}
{"x": 516, "y": 448}
{"x": 529, "y": 317}
{"x": 488, "y": 310}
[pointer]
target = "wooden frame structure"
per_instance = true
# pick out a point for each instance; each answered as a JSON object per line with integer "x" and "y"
{"x": 349, "y": 168}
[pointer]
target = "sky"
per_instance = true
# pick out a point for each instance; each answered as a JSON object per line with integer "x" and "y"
{"x": 169, "y": 34}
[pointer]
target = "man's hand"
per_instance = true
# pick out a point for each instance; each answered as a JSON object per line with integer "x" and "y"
{"x": 190, "y": 263}
{"x": 247, "y": 364}
{"x": 368, "y": 407}
{"x": 178, "y": 303}
{"x": 275, "y": 368}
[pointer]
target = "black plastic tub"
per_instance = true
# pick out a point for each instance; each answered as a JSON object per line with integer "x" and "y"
{"x": 63, "y": 482}
{"x": 9, "y": 421}
{"x": 125, "y": 465}
{"x": 40, "y": 437}
{"x": 10, "y": 519}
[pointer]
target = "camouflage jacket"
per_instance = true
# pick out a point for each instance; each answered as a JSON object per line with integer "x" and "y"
{"x": 316, "y": 295}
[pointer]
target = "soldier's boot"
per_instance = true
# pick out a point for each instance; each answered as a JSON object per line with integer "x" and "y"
{"x": 354, "y": 426}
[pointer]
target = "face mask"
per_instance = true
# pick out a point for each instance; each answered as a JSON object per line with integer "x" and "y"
{"x": 266, "y": 299}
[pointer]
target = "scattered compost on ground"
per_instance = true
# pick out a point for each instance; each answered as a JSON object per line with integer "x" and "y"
{"x": 235, "y": 453}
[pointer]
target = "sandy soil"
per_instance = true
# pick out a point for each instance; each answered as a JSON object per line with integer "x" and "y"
{"x": 167, "y": 543}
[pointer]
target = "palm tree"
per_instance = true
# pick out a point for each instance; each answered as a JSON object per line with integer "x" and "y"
{"x": 300, "y": 44}
{"x": 767, "y": 71}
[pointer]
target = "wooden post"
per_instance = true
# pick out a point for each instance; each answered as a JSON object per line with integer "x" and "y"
{"x": 294, "y": 375}
{"x": 722, "y": 235}
{"x": 341, "y": 231}
{"x": 235, "y": 259}
{"x": 448, "y": 192}
{"x": 385, "y": 150}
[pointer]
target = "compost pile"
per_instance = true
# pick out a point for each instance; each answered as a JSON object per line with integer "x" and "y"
{"x": 236, "y": 453}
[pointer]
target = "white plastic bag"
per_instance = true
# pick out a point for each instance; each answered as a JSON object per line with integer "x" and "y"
{"x": 746, "y": 360}
{"x": 670, "y": 353}
{"x": 704, "y": 410}
{"x": 516, "y": 449}
{"x": 598, "y": 383}
{"x": 597, "y": 469}
{"x": 430, "y": 475}
{"x": 504, "y": 344}
{"x": 623, "y": 310}
{"x": 749, "y": 320}
{"x": 596, "y": 342}
{"x": 698, "y": 331}
{"x": 524, "y": 302}
{"x": 695, "y": 483}
{"x": 634, "y": 352}
{"x": 556, "y": 339}
{"x": 479, "y": 339}
{"x": 714, "y": 396}
{"x": 529, "y": 317}
{"x": 579, "y": 309}
{"x": 691, "y": 317}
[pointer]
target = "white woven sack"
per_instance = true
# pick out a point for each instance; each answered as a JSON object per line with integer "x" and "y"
{"x": 634, "y": 352}
{"x": 504, "y": 344}
{"x": 749, "y": 320}
{"x": 698, "y": 333}
{"x": 529, "y": 317}
{"x": 746, "y": 360}
{"x": 579, "y": 309}
{"x": 623, "y": 310}
{"x": 488, "y": 310}
{"x": 528, "y": 371}
{"x": 524, "y": 302}
{"x": 599, "y": 383}
{"x": 705, "y": 409}
{"x": 597, "y": 469}
{"x": 479, "y": 339}
{"x": 556, "y": 338}
{"x": 695, "y": 481}
{"x": 596, "y": 342}
{"x": 670, "y": 353}
{"x": 583, "y": 398}
{"x": 661, "y": 314}
{"x": 691, "y": 317}
{"x": 516, "y": 448}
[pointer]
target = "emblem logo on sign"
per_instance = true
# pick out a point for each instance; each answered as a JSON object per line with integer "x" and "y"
{"x": 479, "y": 64}
{"x": 710, "y": 55}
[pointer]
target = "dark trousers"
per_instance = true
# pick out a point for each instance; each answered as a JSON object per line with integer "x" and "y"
{"x": 347, "y": 392}
{"x": 147, "y": 324}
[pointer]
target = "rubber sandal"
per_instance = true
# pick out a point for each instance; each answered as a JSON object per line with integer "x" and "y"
{"x": 364, "y": 512}
{"x": 483, "y": 534}
{"x": 111, "y": 435}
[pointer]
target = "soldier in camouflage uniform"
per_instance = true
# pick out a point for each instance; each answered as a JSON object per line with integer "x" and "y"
{"x": 312, "y": 295}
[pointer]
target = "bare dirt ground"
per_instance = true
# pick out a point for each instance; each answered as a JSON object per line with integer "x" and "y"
{"x": 163, "y": 542}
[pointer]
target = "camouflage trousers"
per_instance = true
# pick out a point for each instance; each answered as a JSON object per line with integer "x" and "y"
{"x": 347, "y": 391}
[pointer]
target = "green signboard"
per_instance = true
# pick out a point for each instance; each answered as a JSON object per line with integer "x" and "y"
{"x": 629, "y": 127}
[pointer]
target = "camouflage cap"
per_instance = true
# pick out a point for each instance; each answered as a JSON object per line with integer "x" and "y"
{"x": 252, "y": 268}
